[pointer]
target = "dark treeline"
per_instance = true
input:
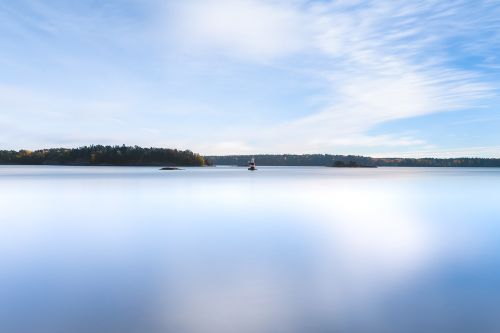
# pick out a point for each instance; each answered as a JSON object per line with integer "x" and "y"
{"x": 332, "y": 160}
{"x": 128, "y": 155}
{"x": 104, "y": 155}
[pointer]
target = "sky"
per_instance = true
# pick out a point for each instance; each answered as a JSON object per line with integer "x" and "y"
{"x": 368, "y": 77}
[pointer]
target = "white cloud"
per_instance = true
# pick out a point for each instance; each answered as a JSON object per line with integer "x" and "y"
{"x": 372, "y": 62}
{"x": 250, "y": 29}
{"x": 476, "y": 151}
{"x": 380, "y": 61}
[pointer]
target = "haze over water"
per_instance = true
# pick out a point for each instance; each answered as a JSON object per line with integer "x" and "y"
{"x": 216, "y": 250}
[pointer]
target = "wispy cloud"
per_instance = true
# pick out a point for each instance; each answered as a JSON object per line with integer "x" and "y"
{"x": 379, "y": 61}
{"x": 256, "y": 30}
{"x": 475, "y": 151}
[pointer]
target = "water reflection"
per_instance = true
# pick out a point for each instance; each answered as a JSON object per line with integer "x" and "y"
{"x": 225, "y": 250}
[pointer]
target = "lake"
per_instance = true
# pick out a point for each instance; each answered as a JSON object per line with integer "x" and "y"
{"x": 281, "y": 249}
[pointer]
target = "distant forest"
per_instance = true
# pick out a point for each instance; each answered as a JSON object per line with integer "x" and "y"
{"x": 104, "y": 155}
{"x": 332, "y": 160}
{"x": 138, "y": 156}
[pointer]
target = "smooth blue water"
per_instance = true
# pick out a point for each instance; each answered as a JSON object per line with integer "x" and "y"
{"x": 282, "y": 249}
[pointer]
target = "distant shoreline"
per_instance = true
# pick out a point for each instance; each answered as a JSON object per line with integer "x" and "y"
{"x": 181, "y": 167}
{"x": 353, "y": 161}
{"x": 99, "y": 155}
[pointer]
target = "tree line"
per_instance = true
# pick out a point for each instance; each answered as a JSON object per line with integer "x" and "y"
{"x": 135, "y": 155}
{"x": 346, "y": 160}
{"x": 104, "y": 155}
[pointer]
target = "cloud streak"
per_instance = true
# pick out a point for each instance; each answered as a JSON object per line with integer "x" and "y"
{"x": 379, "y": 61}
{"x": 253, "y": 30}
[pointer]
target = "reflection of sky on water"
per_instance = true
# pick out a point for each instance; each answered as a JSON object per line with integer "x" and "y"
{"x": 226, "y": 250}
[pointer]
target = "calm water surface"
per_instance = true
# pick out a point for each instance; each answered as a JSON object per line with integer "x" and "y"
{"x": 216, "y": 250}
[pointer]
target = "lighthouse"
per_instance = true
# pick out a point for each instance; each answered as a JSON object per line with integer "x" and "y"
{"x": 251, "y": 165}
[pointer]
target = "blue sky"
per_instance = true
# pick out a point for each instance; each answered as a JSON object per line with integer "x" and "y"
{"x": 381, "y": 78}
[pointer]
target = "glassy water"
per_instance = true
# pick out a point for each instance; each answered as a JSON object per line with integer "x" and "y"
{"x": 216, "y": 250}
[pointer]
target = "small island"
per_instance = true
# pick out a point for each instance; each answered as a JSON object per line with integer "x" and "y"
{"x": 99, "y": 155}
{"x": 351, "y": 164}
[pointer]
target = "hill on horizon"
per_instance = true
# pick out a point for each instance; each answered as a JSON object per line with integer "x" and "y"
{"x": 104, "y": 155}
